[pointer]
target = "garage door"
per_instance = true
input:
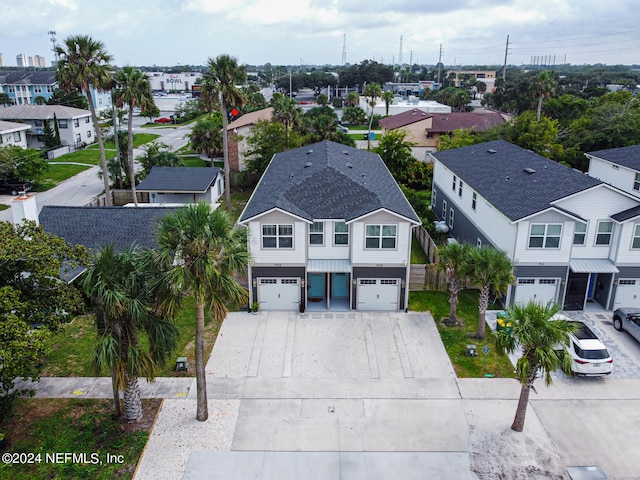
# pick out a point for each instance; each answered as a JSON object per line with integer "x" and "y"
{"x": 278, "y": 293}
{"x": 541, "y": 290}
{"x": 378, "y": 293}
{"x": 627, "y": 293}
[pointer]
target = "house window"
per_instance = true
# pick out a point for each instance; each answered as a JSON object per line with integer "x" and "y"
{"x": 12, "y": 89}
{"x": 430, "y": 135}
{"x": 16, "y": 136}
{"x": 88, "y": 133}
{"x": 580, "y": 234}
{"x": 543, "y": 235}
{"x": 451, "y": 218}
{"x": 636, "y": 236}
{"x": 434, "y": 196}
{"x": 37, "y": 89}
{"x": 50, "y": 88}
{"x": 605, "y": 228}
{"x": 76, "y": 122}
{"x": 86, "y": 119}
{"x": 78, "y": 138}
{"x": 460, "y": 185}
{"x": 474, "y": 201}
{"x": 380, "y": 236}
{"x": 453, "y": 185}
{"x": 39, "y": 123}
{"x": 316, "y": 233}
{"x": 277, "y": 236}
{"x": 63, "y": 123}
{"x": 479, "y": 242}
{"x": 99, "y": 101}
{"x": 636, "y": 182}
{"x": 341, "y": 233}
{"x": 40, "y": 138}
{"x": 444, "y": 209}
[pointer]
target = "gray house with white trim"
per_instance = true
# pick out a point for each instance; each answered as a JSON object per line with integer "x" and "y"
{"x": 183, "y": 185}
{"x": 329, "y": 229}
{"x": 573, "y": 239}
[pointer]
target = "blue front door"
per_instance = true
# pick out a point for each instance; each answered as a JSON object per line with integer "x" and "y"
{"x": 316, "y": 286}
{"x": 340, "y": 285}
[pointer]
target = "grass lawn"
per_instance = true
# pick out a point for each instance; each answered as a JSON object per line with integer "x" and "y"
{"x": 190, "y": 161}
{"x": 58, "y": 173}
{"x": 71, "y": 349}
{"x": 90, "y": 156}
{"x": 418, "y": 257}
{"x": 3, "y": 207}
{"x": 238, "y": 199}
{"x": 80, "y": 426}
{"x": 138, "y": 139}
{"x": 456, "y": 339}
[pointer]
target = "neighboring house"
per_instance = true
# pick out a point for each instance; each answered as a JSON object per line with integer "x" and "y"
{"x": 400, "y": 106}
{"x": 573, "y": 239}
{"x": 239, "y": 132}
{"x": 424, "y": 129}
{"x": 97, "y": 227}
{"x": 488, "y": 77}
{"x": 23, "y": 86}
{"x": 12, "y": 133}
{"x": 619, "y": 167}
{"x": 74, "y": 124}
{"x": 329, "y": 229}
{"x": 176, "y": 185}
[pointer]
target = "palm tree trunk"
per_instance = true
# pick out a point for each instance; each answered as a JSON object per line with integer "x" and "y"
{"x": 539, "y": 111}
{"x": 483, "y": 303}
{"x": 132, "y": 400}
{"x": 201, "y": 381}
{"x": 521, "y": 410}
{"x": 103, "y": 157}
{"x": 225, "y": 154}
{"x": 132, "y": 173}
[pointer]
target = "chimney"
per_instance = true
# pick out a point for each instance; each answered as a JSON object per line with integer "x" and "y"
{"x": 23, "y": 208}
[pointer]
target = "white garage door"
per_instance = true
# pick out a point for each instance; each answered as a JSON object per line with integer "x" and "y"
{"x": 627, "y": 293}
{"x": 378, "y": 293}
{"x": 541, "y": 290}
{"x": 278, "y": 293}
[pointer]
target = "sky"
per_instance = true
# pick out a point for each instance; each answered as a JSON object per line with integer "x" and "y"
{"x": 324, "y": 32}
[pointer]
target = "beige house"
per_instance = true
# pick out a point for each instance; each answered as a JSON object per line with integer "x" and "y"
{"x": 424, "y": 129}
{"x": 238, "y": 134}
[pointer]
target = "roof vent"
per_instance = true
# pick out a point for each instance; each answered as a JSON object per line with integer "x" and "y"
{"x": 344, "y": 152}
{"x": 309, "y": 152}
{"x": 529, "y": 170}
{"x": 307, "y": 165}
{"x": 349, "y": 165}
{"x": 491, "y": 151}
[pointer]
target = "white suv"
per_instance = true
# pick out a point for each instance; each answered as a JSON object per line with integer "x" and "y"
{"x": 589, "y": 356}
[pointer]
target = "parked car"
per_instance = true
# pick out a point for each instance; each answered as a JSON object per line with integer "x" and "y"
{"x": 589, "y": 356}
{"x": 14, "y": 187}
{"x": 162, "y": 120}
{"x": 343, "y": 129}
{"x": 627, "y": 319}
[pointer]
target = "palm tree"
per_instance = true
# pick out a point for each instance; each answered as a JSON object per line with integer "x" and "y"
{"x": 352, "y": 99}
{"x": 286, "y": 112}
{"x": 543, "y": 86}
{"x": 388, "y": 100}
{"x": 117, "y": 285}
{"x": 452, "y": 259}
{"x": 83, "y": 63}
{"x": 373, "y": 91}
{"x": 538, "y": 336}
{"x": 489, "y": 269}
{"x": 134, "y": 90}
{"x": 219, "y": 81}
{"x": 208, "y": 252}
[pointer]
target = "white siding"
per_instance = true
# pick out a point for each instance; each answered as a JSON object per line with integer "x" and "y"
{"x": 284, "y": 256}
{"x": 616, "y": 175}
{"x": 329, "y": 250}
{"x": 401, "y": 253}
{"x": 624, "y": 253}
{"x": 524, "y": 254}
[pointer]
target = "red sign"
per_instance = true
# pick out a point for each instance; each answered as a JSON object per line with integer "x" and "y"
{"x": 234, "y": 112}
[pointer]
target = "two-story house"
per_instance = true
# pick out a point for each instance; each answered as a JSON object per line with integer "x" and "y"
{"x": 13, "y": 133}
{"x": 329, "y": 229}
{"x": 619, "y": 167}
{"x": 573, "y": 239}
{"x": 74, "y": 124}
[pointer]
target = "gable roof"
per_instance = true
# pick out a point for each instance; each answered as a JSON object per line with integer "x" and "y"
{"x": 8, "y": 127}
{"x": 327, "y": 180}
{"x": 252, "y": 118}
{"x": 477, "y": 120}
{"x": 627, "y": 214}
{"x": 179, "y": 179}
{"x": 27, "y": 77}
{"x": 41, "y": 112}
{"x": 405, "y": 118}
{"x": 496, "y": 170}
{"x": 96, "y": 227}
{"x": 625, "y": 156}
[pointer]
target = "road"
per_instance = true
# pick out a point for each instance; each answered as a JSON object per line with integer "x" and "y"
{"x": 82, "y": 188}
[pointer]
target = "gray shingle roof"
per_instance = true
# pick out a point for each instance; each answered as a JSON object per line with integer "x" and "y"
{"x": 628, "y": 214}
{"x": 41, "y": 112}
{"x": 625, "y": 156}
{"x": 27, "y": 77}
{"x": 179, "y": 179}
{"x": 500, "y": 177}
{"x": 327, "y": 180}
{"x": 96, "y": 227}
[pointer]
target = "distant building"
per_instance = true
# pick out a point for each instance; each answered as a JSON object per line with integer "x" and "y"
{"x": 172, "y": 82}
{"x": 1, "y": 59}
{"x": 22, "y": 61}
{"x": 39, "y": 61}
{"x": 488, "y": 77}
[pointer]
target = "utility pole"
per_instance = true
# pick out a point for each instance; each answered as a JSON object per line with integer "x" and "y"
{"x": 52, "y": 34}
{"x": 440, "y": 64}
{"x": 400, "y": 53}
{"x": 506, "y": 52}
{"x": 344, "y": 49}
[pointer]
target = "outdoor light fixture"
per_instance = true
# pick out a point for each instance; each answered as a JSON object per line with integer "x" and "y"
{"x": 471, "y": 351}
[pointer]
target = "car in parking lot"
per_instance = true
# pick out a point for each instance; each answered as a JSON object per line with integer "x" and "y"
{"x": 14, "y": 187}
{"x": 627, "y": 319}
{"x": 589, "y": 356}
{"x": 162, "y": 120}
